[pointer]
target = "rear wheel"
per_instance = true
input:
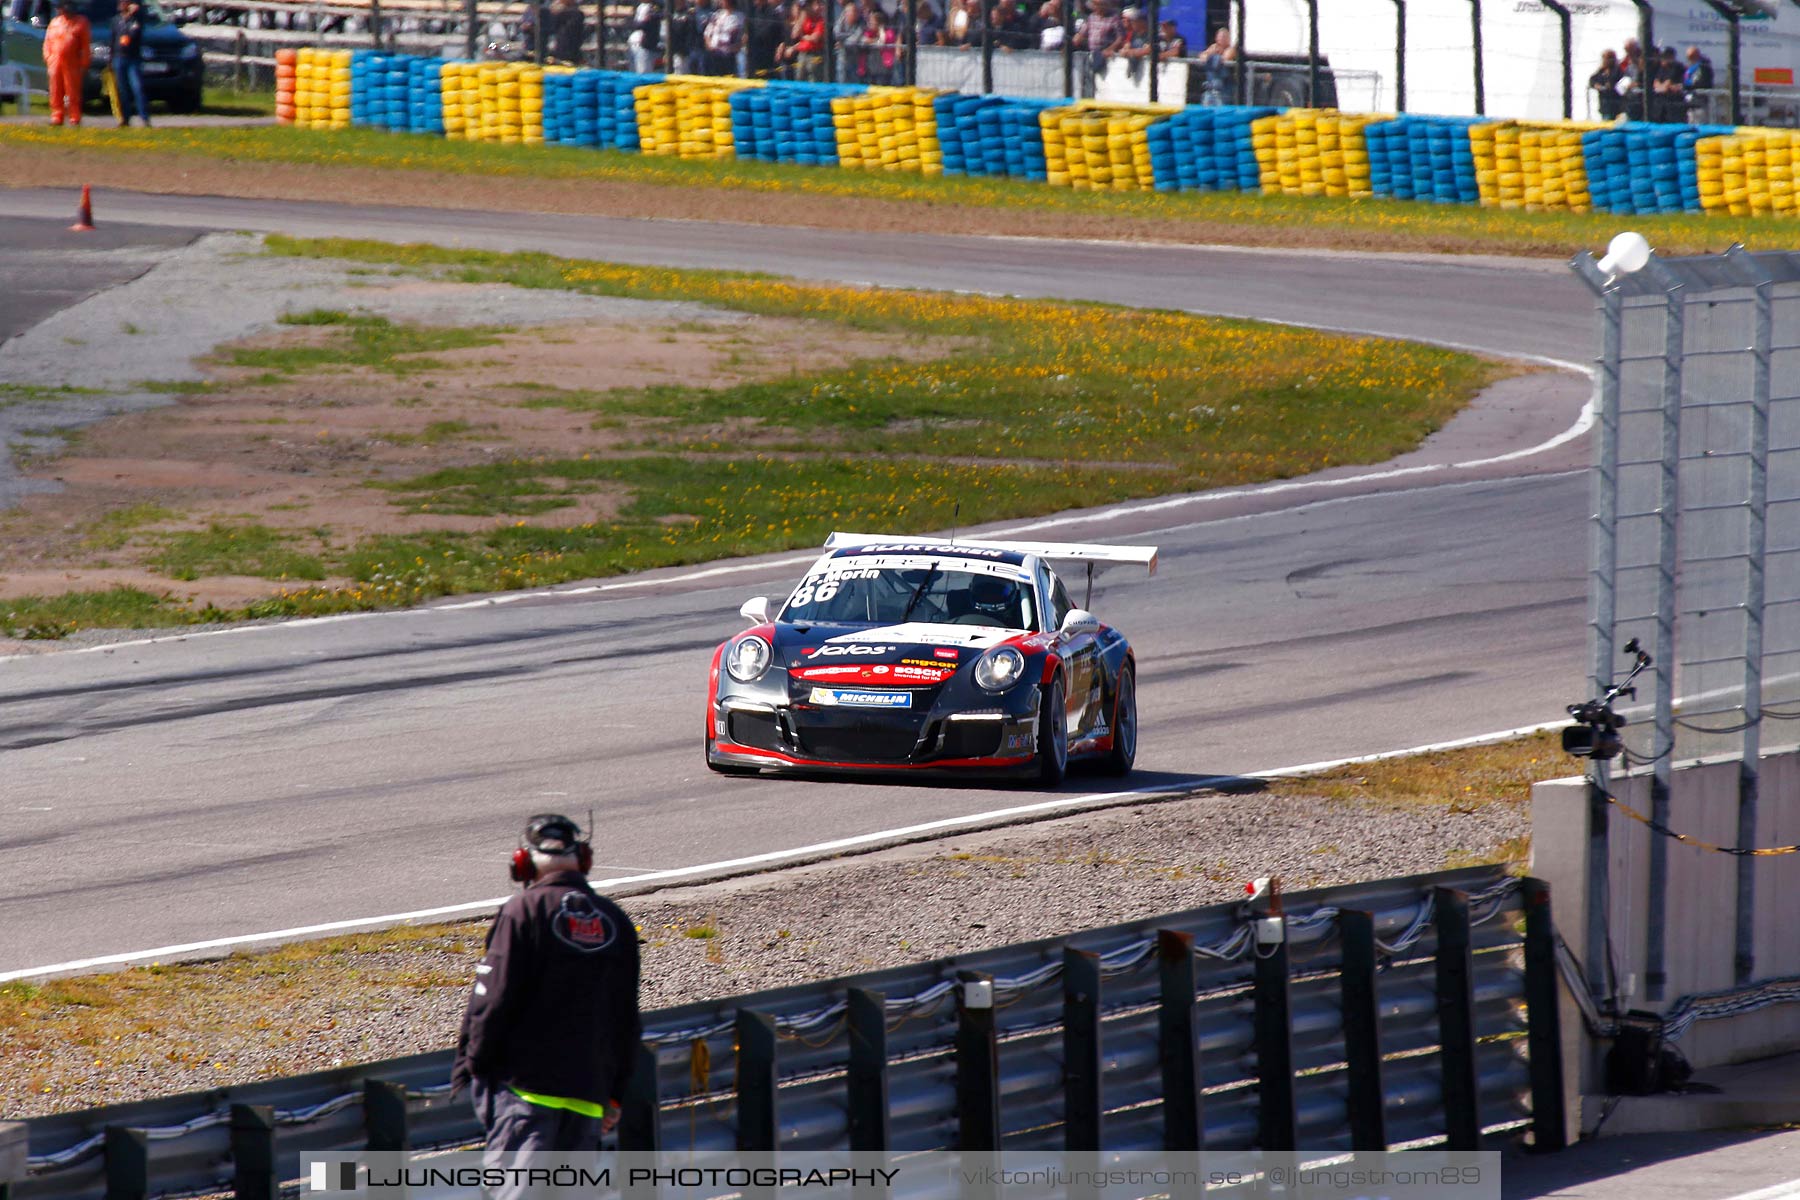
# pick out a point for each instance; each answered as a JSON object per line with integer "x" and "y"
{"x": 1053, "y": 735}
{"x": 1125, "y": 727}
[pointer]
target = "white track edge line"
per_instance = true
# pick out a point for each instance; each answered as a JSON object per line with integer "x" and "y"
{"x": 774, "y": 856}
{"x": 1778, "y": 1191}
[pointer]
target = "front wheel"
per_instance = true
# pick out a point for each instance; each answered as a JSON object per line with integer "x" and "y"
{"x": 1125, "y": 727}
{"x": 728, "y": 768}
{"x": 1053, "y": 735}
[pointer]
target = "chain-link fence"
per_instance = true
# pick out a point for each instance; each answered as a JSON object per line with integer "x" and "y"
{"x": 1696, "y": 527}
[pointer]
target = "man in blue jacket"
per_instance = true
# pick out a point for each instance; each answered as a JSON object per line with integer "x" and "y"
{"x": 128, "y": 62}
{"x": 552, "y": 1027}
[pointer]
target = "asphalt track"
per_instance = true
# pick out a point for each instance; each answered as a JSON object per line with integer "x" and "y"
{"x": 328, "y": 770}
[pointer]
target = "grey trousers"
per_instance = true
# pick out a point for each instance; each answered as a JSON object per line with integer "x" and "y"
{"x": 517, "y": 1128}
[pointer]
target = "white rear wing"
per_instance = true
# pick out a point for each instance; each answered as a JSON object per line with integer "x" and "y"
{"x": 1144, "y": 556}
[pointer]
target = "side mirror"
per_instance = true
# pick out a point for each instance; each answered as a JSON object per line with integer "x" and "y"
{"x": 1080, "y": 620}
{"x": 755, "y": 610}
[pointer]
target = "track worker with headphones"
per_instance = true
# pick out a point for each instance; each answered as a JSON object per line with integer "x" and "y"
{"x": 552, "y": 1028}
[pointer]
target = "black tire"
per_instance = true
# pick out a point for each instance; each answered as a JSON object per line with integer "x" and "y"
{"x": 1053, "y": 735}
{"x": 1125, "y": 727}
{"x": 728, "y": 768}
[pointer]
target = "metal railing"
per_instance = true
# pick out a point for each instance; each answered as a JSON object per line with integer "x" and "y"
{"x": 1366, "y": 1016}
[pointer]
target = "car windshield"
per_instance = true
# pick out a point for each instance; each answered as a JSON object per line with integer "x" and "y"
{"x": 937, "y": 591}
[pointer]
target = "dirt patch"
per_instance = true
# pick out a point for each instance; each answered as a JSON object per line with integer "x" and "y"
{"x": 197, "y": 175}
{"x": 297, "y": 454}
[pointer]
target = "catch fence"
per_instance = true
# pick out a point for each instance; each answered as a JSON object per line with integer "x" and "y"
{"x": 1696, "y": 537}
{"x": 1397, "y": 1013}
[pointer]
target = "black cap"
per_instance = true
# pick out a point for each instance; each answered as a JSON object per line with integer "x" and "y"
{"x": 552, "y": 833}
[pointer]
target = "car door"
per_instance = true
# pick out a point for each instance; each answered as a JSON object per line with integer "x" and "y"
{"x": 1080, "y": 654}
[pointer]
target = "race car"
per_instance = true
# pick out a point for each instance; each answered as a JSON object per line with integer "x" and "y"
{"x": 928, "y": 655}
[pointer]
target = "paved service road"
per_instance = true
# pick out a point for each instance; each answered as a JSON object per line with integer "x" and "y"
{"x": 329, "y": 770}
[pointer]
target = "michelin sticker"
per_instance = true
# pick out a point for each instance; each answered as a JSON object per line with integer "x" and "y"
{"x": 841, "y": 697}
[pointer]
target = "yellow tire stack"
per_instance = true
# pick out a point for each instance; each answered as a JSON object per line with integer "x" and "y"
{"x": 1128, "y": 153}
{"x": 460, "y": 87}
{"x": 1265, "y": 139}
{"x": 305, "y": 85}
{"x": 688, "y": 116}
{"x": 1056, "y": 150}
{"x": 1344, "y": 153}
{"x": 1102, "y": 147}
{"x": 1768, "y": 170}
{"x": 322, "y": 89}
{"x": 1709, "y": 167}
{"x": 1562, "y": 183}
{"x": 888, "y": 129}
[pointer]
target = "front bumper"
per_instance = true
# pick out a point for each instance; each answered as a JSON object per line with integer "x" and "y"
{"x": 170, "y": 77}
{"x": 754, "y": 732}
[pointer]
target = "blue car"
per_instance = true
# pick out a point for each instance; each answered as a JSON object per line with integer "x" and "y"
{"x": 174, "y": 68}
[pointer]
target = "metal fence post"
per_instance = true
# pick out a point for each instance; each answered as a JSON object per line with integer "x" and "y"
{"x": 1563, "y": 18}
{"x": 1178, "y": 1046}
{"x": 472, "y": 19}
{"x": 1241, "y": 82}
{"x": 1082, "y": 1105}
{"x": 977, "y": 1064}
{"x": 1068, "y": 49}
{"x": 1668, "y": 513}
{"x": 600, "y": 35}
{"x": 1399, "y": 55}
{"x": 830, "y": 40}
{"x": 384, "y": 1115}
{"x": 758, "y": 1121}
{"x": 1762, "y": 338}
{"x": 1276, "y": 1116}
{"x": 1480, "y": 71}
{"x": 1312, "y": 57}
{"x": 1456, "y": 1019}
{"x": 912, "y": 43}
{"x": 639, "y": 1108}
{"x": 1155, "y": 48}
{"x": 253, "y": 1152}
{"x": 375, "y": 23}
{"x": 866, "y": 1079}
{"x": 14, "y": 1148}
{"x": 1367, "y": 1100}
{"x": 987, "y": 47}
{"x": 127, "y": 1157}
{"x": 1543, "y": 1038}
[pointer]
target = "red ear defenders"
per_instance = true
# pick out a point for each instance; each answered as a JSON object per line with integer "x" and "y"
{"x": 559, "y": 830}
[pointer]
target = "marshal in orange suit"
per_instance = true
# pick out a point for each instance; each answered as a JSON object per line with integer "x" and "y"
{"x": 67, "y": 48}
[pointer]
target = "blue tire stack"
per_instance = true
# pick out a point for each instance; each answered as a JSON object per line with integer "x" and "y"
{"x": 959, "y": 133}
{"x": 616, "y": 108}
{"x": 1023, "y": 137}
{"x": 1163, "y": 169}
{"x": 585, "y": 103}
{"x": 425, "y": 95}
{"x": 1207, "y": 149}
{"x": 559, "y": 109}
{"x": 362, "y": 88}
{"x": 787, "y": 122}
{"x": 1390, "y": 164}
{"x": 1443, "y": 164}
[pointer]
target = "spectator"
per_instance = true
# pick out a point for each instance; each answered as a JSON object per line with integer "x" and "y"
{"x": 1049, "y": 22}
{"x": 568, "y": 28}
{"x": 1696, "y": 81}
{"x": 67, "y": 48}
{"x": 1133, "y": 42}
{"x": 684, "y": 38}
{"x": 765, "y": 29}
{"x": 1011, "y": 30}
{"x": 551, "y": 1032}
{"x": 1099, "y": 32}
{"x": 930, "y": 30}
{"x": 1669, "y": 102}
{"x": 1169, "y": 42}
{"x": 847, "y": 36}
{"x": 645, "y": 39}
{"x": 128, "y": 62}
{"x": 1604, "y": 83}
{"x": 724, "y": 38}
{"x": 963, "y": 26}
{"x": 1634, "y": 84}
{"x": 800, "y": 56}
{"x": 880, "y": 40}
{"x": 1216, "y": 62}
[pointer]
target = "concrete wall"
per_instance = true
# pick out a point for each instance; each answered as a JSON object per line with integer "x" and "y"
{"x": 1701, "y": 900}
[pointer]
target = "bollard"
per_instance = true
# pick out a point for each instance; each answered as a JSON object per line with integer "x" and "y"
{"x": 1178, "y": 1048}
{"x": 384, "y": 1115}
{"x": 1082, "y": 1105}
{"x": 253, "y": 1152}
{"x": 977, "y": 1064}
{"x": 866, "y": 1078}
{"x": 1367, "y": 1099}
{"x": 14, "y": 1146}
{"x": 758, "y": 1119}
{"x": 1456, "y": 1020}
{"x": 127, "y": 1157}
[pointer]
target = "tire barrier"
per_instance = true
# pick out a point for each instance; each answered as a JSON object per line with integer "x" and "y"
{"x": 285, "y": 59}
{"x": 322, "y": 88}
{"x": 1546, "y": 166}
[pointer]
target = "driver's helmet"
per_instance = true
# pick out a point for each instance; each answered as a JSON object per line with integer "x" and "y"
{"x": 994, "y": 595}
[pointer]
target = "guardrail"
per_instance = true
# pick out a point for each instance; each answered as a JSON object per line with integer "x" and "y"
{"x": 1383, "y": 1014}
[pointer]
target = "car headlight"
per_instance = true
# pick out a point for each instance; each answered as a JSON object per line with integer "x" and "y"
{"x": 748, "y": 658}
{"x": 999, "y": 668}
{"x": 191, "y": 50}
{"x": 100, "y": 54}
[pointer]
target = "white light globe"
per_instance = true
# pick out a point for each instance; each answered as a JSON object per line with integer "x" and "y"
{"x": 1625, "y": 255}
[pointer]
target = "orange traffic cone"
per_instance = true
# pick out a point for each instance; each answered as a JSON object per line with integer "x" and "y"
{"x": 84, "y": 216}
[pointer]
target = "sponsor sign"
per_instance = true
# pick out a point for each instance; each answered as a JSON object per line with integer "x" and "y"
{"x": 947, "y": 652}
{"x": 853, "y": 698}
{"x": 911, "y": 672}
{"x": 847, "y": 648}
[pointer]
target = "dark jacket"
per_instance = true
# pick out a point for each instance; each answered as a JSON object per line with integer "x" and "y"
{"x": 555, "y": 1004}
{"x": 128, "y": 36}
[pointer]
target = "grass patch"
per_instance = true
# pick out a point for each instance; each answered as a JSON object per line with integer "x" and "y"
{"x": 13, "y": 394}
{"x": 1037, "y": 408}
{"x": 116, "y": 608}
{"x": 115, "y": 529}
{"x": 367, "y": 341}
{"x": 248, "y": 549}
{"x": 1212, "y": 216}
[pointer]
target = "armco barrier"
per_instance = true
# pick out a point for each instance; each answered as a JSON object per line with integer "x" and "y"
{"x": 1571, "y": 166}
{"x": 1378, "y": 1014}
